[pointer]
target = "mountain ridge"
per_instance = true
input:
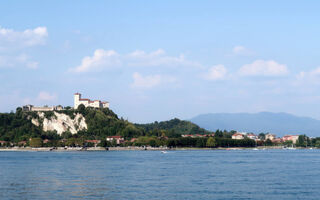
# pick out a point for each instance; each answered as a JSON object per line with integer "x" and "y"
{"x": 278, "y": 123}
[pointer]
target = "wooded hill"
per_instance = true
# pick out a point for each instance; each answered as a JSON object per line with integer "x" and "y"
{"x": 15, "y": 127}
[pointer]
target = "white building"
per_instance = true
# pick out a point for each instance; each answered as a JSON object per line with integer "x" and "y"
{"x": 238, "y": 136}
{"x": 252, "y": 136}
{"x": 117, "y": 138}
{"x": 270, "y": 136}
{"x": 89, "y": 103}
{"x": 44, "y": 108}
{"x": 293, "y": 138}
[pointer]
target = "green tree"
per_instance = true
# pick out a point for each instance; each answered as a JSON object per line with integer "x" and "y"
{"x": 36, "y": 142}
{"x": 103, "y": 143}
{"x": 262, "y": 136}
{"x": 268, "y": 142}
{"x": 114, "y": 143}
{"x": 317, "y": 143}
{"x": 152, "y": 142}
{"x": 81, "y": 108}
{"x": 201, "y": 142}
{"x": 218, "y": 134}
{"x": 211, "y": 142}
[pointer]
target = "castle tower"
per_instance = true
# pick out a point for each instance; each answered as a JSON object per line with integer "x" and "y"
{"x": 77, "y": 97}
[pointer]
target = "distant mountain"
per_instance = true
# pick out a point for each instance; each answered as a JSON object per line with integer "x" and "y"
{"x": 278, "y": 123}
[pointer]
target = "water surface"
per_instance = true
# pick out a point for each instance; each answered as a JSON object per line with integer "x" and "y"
{"x": 197, "y": 174}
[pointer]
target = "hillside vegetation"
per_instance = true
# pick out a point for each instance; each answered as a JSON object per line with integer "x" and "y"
{"x": 18, "y": 126}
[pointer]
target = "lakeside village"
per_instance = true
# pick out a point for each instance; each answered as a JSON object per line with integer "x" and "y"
{"x": 96, "y": 126}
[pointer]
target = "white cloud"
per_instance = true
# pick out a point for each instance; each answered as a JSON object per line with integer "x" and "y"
{"x": 150, "y": 81}
{"x": 12, "y": 43}
{"x": 10, "y": 38}
{"x": 46, "y": 96}
{"x": 312, "y": 75}
{"x": 263, "y": 68}
{"x": 217, "y": 72}
{"x": 241, "y": 50}
{"x": 100, "y": 59}
{"x": 157, "y": 58}
{"x": 103, "y": 59}
{"x": 20, "y": 60}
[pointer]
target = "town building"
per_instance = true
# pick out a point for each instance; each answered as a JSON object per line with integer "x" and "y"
{"x": 133, "y": 139}
{"x": 270, "y": 136}
{"x": 198, "y": 135}
{"x": 292, "y": 138}
{"x": 277, "y": 140}
{"x": 238, "y": 136}
{"x": 94, "y": 142}
{"x": 22, "y": 143}
{"x": 252, "y": 136}
{"x": 89, "y": 103}
{"x": 39, "y": 108}
{"x": 119, "y": 139}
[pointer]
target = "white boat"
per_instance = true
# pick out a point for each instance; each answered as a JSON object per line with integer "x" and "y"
{"x": 164, "y": 152}
{"x": 291, "y": 148}
{"x": 255, "y": 149}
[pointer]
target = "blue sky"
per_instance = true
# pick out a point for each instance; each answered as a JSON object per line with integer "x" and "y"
{"x": 155, "y": 60}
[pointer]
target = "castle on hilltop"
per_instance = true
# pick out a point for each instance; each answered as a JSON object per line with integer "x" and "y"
{"x": 39, "y": 108}
{"x": 77, "y": 101}
{"x": 89, "y": 103}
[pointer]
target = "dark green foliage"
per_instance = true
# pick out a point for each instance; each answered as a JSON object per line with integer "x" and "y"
{"x": 49, "y": 114}
{"x": 17, "y": 127}
{"x": 36, "y": 142}
{"x": 303, "y": 141}
{"x": 104, "y": 122}
{"x": 173, "y": 128}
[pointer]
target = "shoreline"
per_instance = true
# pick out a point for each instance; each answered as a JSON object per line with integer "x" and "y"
{"x": 71, "y": 149}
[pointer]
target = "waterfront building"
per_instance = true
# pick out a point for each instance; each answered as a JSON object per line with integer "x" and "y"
{"x": 292, "y": 138}
{"x": 252, "y": 136}
{"x": 133, "y": 139}
{"x": 89, "y": 103}
{"x": 270, "y": 136}
{"x": 95, "y": 142}
{"x": 119, "y": 139}
{"x": 277, "y": 140}
{"x": 238, "y": 136}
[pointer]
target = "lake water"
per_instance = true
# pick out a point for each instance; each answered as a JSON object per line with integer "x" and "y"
{"x": 202, "y": 174}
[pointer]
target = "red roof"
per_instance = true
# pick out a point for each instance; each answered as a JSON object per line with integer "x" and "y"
{"x": 77, "y": 93}
{"x": 115, "y": 136}
{"x": 93, "y": 141}
{"x": 236, "y": 134}
{"x": 133, "y": 139}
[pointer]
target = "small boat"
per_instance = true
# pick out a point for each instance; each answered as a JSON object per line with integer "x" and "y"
{"x": 164, "y": 152}
{"x": 291, "y": 148}
{"x": 255, "y": 149}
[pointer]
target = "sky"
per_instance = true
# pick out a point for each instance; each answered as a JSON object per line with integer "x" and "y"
{"x": 156, "y": 60}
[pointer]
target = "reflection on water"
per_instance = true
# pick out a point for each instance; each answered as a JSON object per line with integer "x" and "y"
{"x": 272, "y": 174}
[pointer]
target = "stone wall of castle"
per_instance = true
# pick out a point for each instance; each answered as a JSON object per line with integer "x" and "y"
{"x": 89, "y": 103}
